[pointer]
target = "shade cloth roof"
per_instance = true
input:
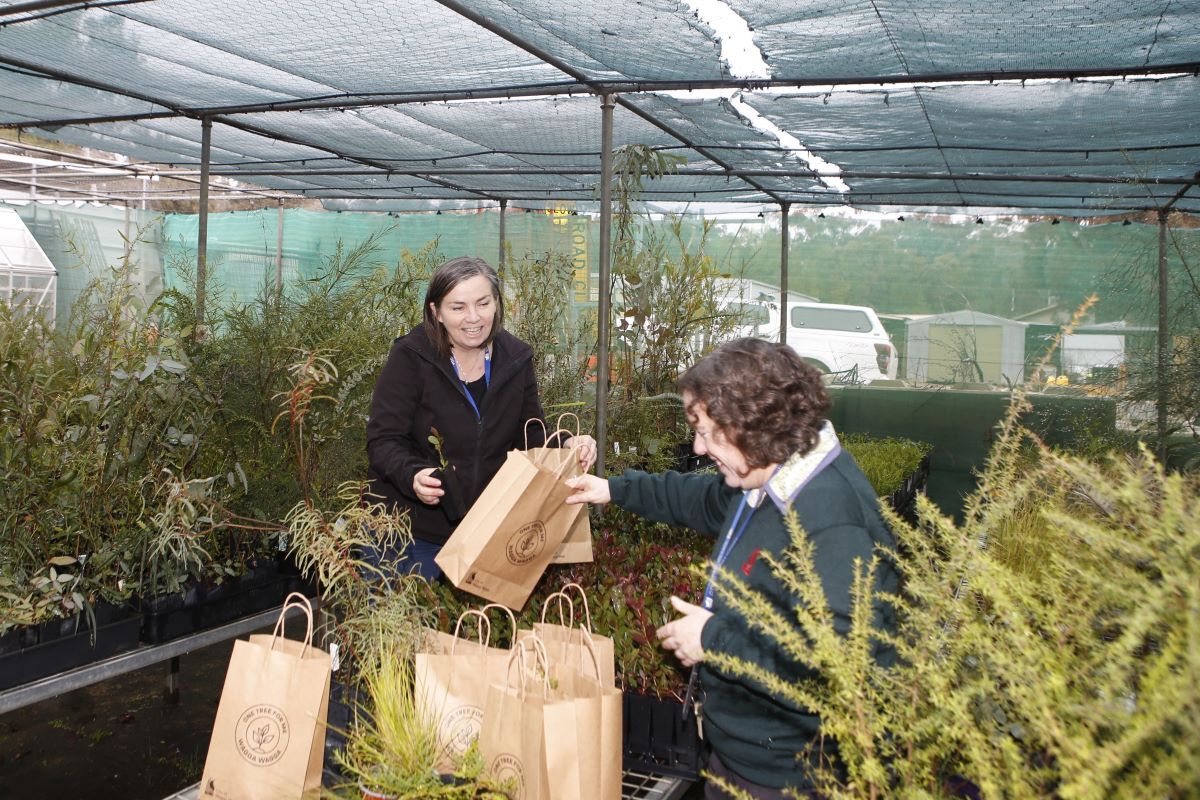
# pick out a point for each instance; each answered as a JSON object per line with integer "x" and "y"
{"x": 1047, "y": 107}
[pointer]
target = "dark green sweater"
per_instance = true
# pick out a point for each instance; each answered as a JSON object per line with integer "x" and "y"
{"x": 756, "y": 735}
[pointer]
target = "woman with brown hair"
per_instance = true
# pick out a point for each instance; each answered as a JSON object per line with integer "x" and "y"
{"x": 758, "y": 412}
{"x": 463, "y": 381}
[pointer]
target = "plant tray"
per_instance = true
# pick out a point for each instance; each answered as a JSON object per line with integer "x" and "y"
{"x": 903, "y": 500}
{"x": 341, "y": 718}
{"x": 200, "y": 608}
{"x": 58, "y": 646}
{"x": 658, "y": 740}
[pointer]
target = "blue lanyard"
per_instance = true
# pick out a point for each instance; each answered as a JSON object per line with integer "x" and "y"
{"x": 727, "y": 544}
{"x": 487, "y": 378}
{"x": 736, "y": 529}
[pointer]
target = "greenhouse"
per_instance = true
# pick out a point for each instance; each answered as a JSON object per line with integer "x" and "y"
{"x": 29, "y": 277}
{"x": 943, "y": 253}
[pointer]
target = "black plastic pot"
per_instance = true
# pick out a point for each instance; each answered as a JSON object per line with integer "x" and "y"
{"x": 341, "y": 716}
{"x": 454, "y": 501}
{"x": 169, "y": 616}
{"x": 295, "y": 579}
{"x": 903, "y": 500}
{"x": 61, "y": 645}
{"x": 659, "y": 740}
{"x": 688, "y": 461}
{"x": 10, "y": 641}
{"x": 202, "y": 607}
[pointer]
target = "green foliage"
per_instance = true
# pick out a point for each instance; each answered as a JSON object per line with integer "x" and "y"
{"x": 107, "y": 425}
{"x": 664, "y": 316}
{"x": 1069, "y": 672}
{"x": 342, "y": 319}
{"x": 91, "y": 417}
{"x": 885, "y": 461}
{"x": 392, "y": 747}
{"x": 538, "y": 311}
{"x": 637, "y": 567}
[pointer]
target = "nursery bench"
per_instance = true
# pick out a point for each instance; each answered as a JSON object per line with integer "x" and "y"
{"x": 54, "y": 685}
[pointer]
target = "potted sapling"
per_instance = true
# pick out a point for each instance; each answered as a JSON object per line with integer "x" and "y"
{"x": 454, "y": 500}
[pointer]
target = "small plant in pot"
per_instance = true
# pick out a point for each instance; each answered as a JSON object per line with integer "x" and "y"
{"x": 392, "y": 745}
{"x": 454, "y": 501}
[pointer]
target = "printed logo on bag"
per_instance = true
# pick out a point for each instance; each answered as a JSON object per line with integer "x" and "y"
{"x": 211, "y": 790}
{"x": 507, "y": 767}
{"x": 262, "y": 734}
{"x": 526, "y": 544}
{"x": 461, "y": 727}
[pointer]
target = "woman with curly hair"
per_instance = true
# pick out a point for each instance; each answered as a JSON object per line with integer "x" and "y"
{"x": 758, "y": 411}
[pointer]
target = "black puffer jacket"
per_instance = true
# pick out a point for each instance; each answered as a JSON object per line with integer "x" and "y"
{"x": 417, "y": 391}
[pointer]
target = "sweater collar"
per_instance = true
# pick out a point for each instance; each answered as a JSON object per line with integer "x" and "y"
{"x": 792, "y": 475}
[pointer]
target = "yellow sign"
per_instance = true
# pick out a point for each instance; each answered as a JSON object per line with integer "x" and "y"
{"x": 579, "y": 259}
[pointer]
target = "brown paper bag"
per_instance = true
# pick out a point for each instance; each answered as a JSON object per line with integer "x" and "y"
{"x": 501, "y": 548}
{"x": 574, "y": 645}
{"x": 610, "y": 745}
{"x": 268, "y": 740}
{"x": 452, "y": 679}
{"x": 438, "y": 642}
{"x": 597, "y": 716}
{"x": 576, "y": 548}
{"x": 582, "y": 666}
{"x": 512, "y": 741}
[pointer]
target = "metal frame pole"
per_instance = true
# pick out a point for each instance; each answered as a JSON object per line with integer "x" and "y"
{"x": 1164, "y": 338}
{"x": 783, "y": 273}
{"x": 279, "y": 253}
{"x": 605, "y": 288}
{"x": 500, "y": 260}
{"x": 202, "y": 232}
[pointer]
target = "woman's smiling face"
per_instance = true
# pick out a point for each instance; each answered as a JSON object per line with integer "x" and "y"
{"x": 710, "y": 441}
{"x": 467, "y": 312}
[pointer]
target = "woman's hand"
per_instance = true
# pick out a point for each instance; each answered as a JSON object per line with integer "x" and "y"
{"x": 427, "y": 488}
{"x": 584, "y": 447}
{"x": 682, "y": 636}
{"x": 588, "y": 489}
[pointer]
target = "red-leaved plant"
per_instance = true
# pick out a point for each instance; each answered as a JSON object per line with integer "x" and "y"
{"x": 637, "y": 566}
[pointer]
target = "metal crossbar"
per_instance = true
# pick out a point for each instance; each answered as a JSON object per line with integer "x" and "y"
{"x": 54, "y": 685}
{"x": 634, "y": 786}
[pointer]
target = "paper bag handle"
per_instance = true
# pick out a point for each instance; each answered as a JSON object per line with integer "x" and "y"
{"x": 586, "y": 636}
{"x": 525, "y": 429}
{"x": 512, "y": 618}
{"x": 587, "y": 612}
{"x": 518, "y": 655}
{"x": 484, "y": 635}
{"x": 560, "y": 597}
{"x": 559, "y": 423}
{"x": 565, "y": 463}
{"x": 304, "y": 605}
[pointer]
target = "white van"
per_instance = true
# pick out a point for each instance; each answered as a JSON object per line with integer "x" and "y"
{"x": 848, "y": 341}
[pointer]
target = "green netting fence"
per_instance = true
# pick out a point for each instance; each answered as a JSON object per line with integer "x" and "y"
{"x": 916, "y": 267}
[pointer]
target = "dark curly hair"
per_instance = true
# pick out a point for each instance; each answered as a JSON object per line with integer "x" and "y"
{"x": 765, "y": 400}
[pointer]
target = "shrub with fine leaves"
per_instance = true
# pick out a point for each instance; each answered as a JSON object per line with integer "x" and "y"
{"x": 1072, "y": 675}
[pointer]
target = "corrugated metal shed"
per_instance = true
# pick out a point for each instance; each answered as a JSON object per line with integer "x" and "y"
{"x": 966, "y": 347}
